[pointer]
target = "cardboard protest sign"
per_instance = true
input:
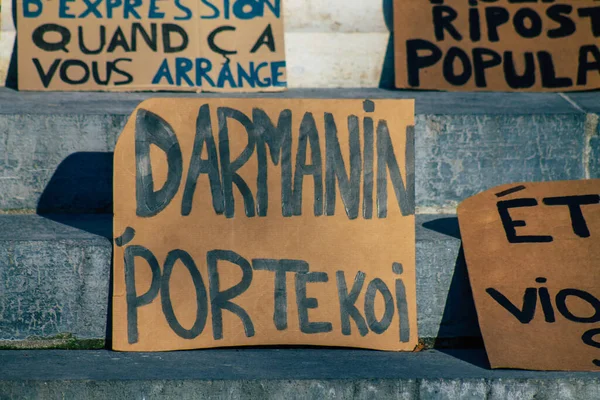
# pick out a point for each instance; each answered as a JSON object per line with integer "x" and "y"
{"x": 500, "y": 45}
{"x": 533, "y": 255}
{"x": 244, "y": 222}
{"x": 183, "y": 45}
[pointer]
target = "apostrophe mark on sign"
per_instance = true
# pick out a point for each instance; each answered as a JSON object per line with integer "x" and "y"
{"x": 510, "y": 191}
{"x": 126, "y": 237}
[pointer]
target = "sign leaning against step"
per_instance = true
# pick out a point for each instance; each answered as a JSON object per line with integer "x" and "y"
{"x": 242, "y": 222}
{"x": 504, "y": 45}
{"x": 533, "y": 254}
{"x": 185, "y": 45}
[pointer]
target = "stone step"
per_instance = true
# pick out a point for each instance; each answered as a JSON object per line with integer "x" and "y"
{"x": 57, "y": 147}
{"x": 278, "y": 374}
{"x": 55, "y": 273}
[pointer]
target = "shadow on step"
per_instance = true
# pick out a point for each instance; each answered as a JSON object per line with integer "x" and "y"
{"x": 459, "y": 327}
{"x": 82, "y": 184}
{"x": 386, "y": 80}
{"x": 80, "y": 194}
{"x": 11, "y": 75}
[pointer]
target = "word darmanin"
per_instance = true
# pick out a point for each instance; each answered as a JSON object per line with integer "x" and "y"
{"x": 325, "y": 166}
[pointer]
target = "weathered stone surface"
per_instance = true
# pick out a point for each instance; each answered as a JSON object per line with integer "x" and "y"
{"x": 427, "y": 103}
{"x": 459, "y": 156}
{"x": 594, "y": 147}
{"x": 587, "y": 101}
{"x": 57, "y": 162}
{"x": 279, "y": 374}
{"x": 57, "y": 146}
{"x": 54, "y": 278}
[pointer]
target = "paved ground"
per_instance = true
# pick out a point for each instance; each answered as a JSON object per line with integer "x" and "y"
{"x": 278, "y": 374}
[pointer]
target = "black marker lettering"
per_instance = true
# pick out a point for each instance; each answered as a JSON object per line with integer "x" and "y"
{"x": 561, "y": 305}
{"x": 549, "y": 78}
{"x": 495, "y": 17}
{"x": 588, "y": 339}
{"x": 454, "y": 54}
{"x": 201, "y": 298}
{"x": 118, "y": 40}
{"x": 151, "y": 39}
{"x": 167, "y": 29}
{"x": 39, "y": 40}
{"x": 594, "y": 14}
{"x": 152, "y": 129}
{"x": 309, "y": 135}
{"x": 336, "y": 169}
{"x": 546, "y": 304}
{"x": 46, "y": 77}
{"x": 229, "y": 168}
{"x": 443, "y": 16}
{"x": 574, "y": 203}
{"x": 279, "y": 140}
{"x": 369, "y": 141}
{"x": 558, "y": 13}
{"x": 133, "y": 300}
{"x": 379, "y": 326}
{"x": 585, "y": 65}
{"x": 305, "y": 303}
{"x": 82, "y": 45}
{"x": 514, "y": 80}
{"x": 526, "y": 313}
{"x": 348, "y": 301}
{"x": 281, "y": 268}
{"x": 386, "y": 160}
{"x": 415, "y": 62}
{"x": 265, "y": 39}
{"x": 402, "y": 304}
{"x": 509, "y": 224}
{"x": 198, "y": 166}
{"x": 222, "y": 299}
{"x": 484, "y": 59}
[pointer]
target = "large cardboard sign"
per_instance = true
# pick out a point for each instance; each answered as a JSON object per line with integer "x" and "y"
{"x": 130, "y": 45}
{"x": 244, "y": 222}
{"x": 499, "y": 45}
{"x": 533, "y": 257}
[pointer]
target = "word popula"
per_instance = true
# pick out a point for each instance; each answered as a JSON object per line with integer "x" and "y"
{"x": 505, "y": 44}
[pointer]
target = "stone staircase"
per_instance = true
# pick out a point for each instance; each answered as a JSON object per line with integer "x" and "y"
{"x": 55, "y": 255}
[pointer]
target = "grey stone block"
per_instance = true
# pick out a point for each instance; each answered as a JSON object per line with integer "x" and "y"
{"x": 588, "y": 101}
{"x": 460, "y": 156}
{"x": 279, "y": 374}
{"x": 54, "y": 278}
{"x": 594, "y": 149}
{"x": 57, "y": 162}
{"x": 430, "y": 103}
{"x": 58, "y": 146}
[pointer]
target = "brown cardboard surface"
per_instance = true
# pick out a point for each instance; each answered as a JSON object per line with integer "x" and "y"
{"x": 219, "y": 55}
{"x": 460, "y": 47}
{"x": 546, "y": 267}
{"x": 327, "y": 234}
